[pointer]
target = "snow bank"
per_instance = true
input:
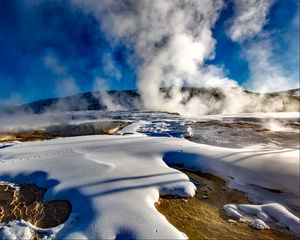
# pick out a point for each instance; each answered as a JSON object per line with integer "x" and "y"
{"x": 113, "y": 182}
{"x": 132, "y": 129}
{"x": 259, "y": 215}
{"x": 264, "y": 173}
{"x": 15, "y": 230}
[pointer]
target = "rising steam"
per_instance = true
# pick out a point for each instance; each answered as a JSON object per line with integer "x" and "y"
{"x": 173, "y": 39}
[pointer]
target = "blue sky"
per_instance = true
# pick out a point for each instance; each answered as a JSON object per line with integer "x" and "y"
{"x": 44, "y": 44}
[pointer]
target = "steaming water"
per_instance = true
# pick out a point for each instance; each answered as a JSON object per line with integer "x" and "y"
{"x": 226, "y": 131}
{"x": 234, "y": 131}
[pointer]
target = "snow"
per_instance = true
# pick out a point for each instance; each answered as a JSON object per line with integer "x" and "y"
{"x": 232, "y": 211}
{"x": 15, "y": 230}
{"x": 112, "y": 182}
{"x": 252, "y": 169}
{"x": 259, "y": 224}
{"x": 260, "y": 115}
{"x": 259, "y": 215}
{"x": 132, "y": 129}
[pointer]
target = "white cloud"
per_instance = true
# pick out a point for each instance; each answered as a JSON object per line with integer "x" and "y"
{"x": 109, "y": 67}
{"x": 250, "y": 16}
{"x": 100, "y": 92}
{"x": 53, "y": 63}
{"x": 13, "y": 99}
{"x": 66, "y": 87}
{"x": 266, "y": 73}
{"x": 64, "y": 82}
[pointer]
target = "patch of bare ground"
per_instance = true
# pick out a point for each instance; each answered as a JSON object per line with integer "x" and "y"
{"x": 67, "y": 130}
{"x": 24, "y": 136}
{"x": 202, "y": 217}
{"x": 25, "y": 201}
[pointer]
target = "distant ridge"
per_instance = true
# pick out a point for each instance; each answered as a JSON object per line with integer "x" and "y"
{"x": 292, "y": 92}
{"x": 130, "y": 99}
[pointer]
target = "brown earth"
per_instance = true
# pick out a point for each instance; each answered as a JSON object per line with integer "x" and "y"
{"x": 202, "y": 217}
{"x": 25, "y": 201}
{"x": 68, "y": 130}
{"x": 24, "y": 136}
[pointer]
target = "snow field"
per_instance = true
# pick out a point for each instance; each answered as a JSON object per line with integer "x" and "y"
{"x": 112, "y": 182}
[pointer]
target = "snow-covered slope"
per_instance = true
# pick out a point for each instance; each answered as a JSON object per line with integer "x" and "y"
{"x": 113, "y": 182}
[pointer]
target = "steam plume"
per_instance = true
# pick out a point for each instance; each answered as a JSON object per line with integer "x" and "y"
{"x": 173, "y": 39}
{"x": 249, "y": 18}
{"x": 258, "y": 46}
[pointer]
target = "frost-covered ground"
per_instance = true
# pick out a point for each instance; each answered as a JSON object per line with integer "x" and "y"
{"x": 112, "y": 182}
